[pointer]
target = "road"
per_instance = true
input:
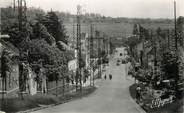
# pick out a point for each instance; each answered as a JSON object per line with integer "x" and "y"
{"x": 111, "y": 96}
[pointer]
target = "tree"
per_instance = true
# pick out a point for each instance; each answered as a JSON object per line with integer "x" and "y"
{"x": 8, "y": 18}
{"x": 135, "y": 29}
{"x": 159, "y": 30}
{"x": 54, "y": 60}
{"x": 169, "y": 65}
{"x": 5, "y": 67}
{"x": 40, "y": 32}
{"x": 55, "y": 27}
{"x": 180, "y": 29}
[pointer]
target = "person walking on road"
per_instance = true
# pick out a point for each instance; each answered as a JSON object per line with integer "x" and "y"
{"x": 105, "y": 77}
{"x": 138, "y": 93}
{"x": 110, "y": 76}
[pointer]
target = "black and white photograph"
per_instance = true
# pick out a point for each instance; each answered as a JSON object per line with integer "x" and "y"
{"x": 91, "y": 56}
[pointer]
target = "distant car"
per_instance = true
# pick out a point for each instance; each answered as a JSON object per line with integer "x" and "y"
{"x": 117, "y": 63}
{"x": 123, "y": 62}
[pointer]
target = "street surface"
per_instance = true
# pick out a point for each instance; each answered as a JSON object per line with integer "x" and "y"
{"x": 111, "y": 96}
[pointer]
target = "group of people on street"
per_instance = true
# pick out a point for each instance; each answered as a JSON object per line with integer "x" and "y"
{"x": 110, "y": 77}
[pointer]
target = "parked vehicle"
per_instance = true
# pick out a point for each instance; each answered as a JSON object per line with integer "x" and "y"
{"x": 123, "y": 62}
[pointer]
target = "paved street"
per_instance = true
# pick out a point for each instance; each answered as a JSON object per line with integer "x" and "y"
{"x": 112, "y": 96}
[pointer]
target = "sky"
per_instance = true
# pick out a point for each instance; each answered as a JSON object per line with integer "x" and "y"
{"x": 113, "y": 8}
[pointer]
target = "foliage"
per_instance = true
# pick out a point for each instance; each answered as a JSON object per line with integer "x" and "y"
{"x": 180, "y": 29}
{"x": 169, "y": 65}
{"x": 144, "y": 33}
{"x": 5, "y": 67}
{"x": 180, "y": 23}
{"x": 18, "y": 37}
{"x": 81, "y": 63}
{"x": 54, "y": 61}
{"x": 132, "y": 41}
{"x": 36, "y": 39}
{"x": 8, "y": 18}
{"x": 40, "y": 49}
{"x": 40, "y": 31}
{"x": 135, "y": 29}
{"x": 70, "y": 55}
{"x": 54, "y": 26}
{"x": 5, "y": 63}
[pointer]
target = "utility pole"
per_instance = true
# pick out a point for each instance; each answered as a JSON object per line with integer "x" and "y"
{"x": 73, "y": 40}
{"x": 176, "y": 51}
{"x": 91, "y": 52}
{"x": 14, "y": 4}
{"x": 168, "y": 39}
{"x": 98, "y": 51}
{"x": 22, "y": 8}
{"x": 175, "y": 31}
{"x": 79, "y": 46}
{"x": 155, "y": 54}
{"x": 99, "y": 47}
{"x": 21, "y": 13}
{"x": 91, "y": 39}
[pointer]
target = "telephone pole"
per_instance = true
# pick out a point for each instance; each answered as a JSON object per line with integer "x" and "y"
{"x": 73, "y": 40}
{"x": 176, "y": 50}
{"x": 78, "y": 74}
{"x": 22, "y": 8}
{"x": 175, "y": 31}
{"x": 91, "y": 53}
{"x": 98, "y": 52}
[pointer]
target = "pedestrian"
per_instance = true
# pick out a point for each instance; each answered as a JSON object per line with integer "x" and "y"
{"x": 110, "y": 76}
{"x": 138, "y": 95}
{"x": 105, "y": 77}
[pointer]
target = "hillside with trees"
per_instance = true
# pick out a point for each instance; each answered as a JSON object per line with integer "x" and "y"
{"x": 37, "y": 42}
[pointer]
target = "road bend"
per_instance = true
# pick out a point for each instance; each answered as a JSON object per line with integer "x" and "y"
{"x": 111, "y": 96}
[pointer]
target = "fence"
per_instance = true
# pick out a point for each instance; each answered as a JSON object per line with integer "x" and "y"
{"x": 60, "y": 88}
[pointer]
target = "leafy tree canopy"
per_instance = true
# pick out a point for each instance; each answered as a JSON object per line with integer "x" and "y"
{"x": 169, "y": 65}
{"x": 54, "y": 26}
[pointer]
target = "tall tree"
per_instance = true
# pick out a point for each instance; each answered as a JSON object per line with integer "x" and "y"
{"x": 180, "y": 29}
{"x": 55, "y": 27}
{"x": 169, "y": 65}
{"x": 5, "y": 67}
{"x": 135, "y": 29}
